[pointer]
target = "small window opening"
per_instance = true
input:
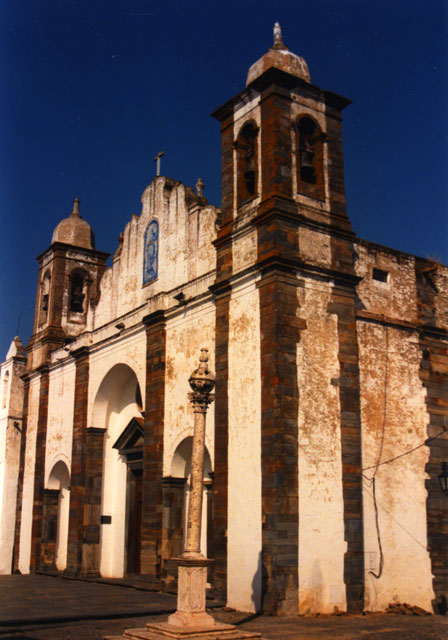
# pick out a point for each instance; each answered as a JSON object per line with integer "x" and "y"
{"x": 307, "y": 150}
{"x": 310, "y": 158}
{"x": 5, "y": 389}
{"x": 379, "y": 275}
{"x": 76, "y": 293}
{"x": 247, "y": 163}
{"x": 45, "y": 298}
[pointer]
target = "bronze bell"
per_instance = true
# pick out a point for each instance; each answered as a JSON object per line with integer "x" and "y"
{"x": 250, "y": 168}
{"x": 306, "y": 159}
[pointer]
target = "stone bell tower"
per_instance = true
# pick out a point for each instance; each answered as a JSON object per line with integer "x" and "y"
{"x": 284, "y": 224}
{"x": 70, "y": 271}
{"x": 282, "y": 155}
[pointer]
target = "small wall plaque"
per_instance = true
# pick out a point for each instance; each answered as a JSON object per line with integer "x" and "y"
{"x": 105, "y": 519}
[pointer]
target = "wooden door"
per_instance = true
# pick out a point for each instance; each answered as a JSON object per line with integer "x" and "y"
{"x": 134, "y": 520}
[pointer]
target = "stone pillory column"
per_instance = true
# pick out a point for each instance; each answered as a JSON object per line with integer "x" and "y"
{"x": 192, "y": 575}
{"x": 191, "y": 619}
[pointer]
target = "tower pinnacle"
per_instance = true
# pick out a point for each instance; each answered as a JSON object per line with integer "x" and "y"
{"x": 278, "y": 42}
{"x": 76, "y": 203}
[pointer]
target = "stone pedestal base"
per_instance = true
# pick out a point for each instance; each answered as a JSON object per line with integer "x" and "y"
{"x": 191, "y": 589}
{"x": 191, "y": 621}
{"x": 163, "y": 631}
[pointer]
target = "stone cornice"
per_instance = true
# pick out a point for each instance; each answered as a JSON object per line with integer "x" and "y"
{"x": 63, "y": 248}
{"x": 80, "y": 352}
{"x": 286, "y": 81}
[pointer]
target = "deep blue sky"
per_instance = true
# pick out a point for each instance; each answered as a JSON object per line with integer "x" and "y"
{"x": 93, "y": 89}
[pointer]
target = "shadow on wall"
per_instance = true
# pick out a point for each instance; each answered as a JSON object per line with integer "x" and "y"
{"x": 257, "y": 585}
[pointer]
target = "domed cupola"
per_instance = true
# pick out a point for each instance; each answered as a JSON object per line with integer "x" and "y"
{"x": 70, "y": 272}
{"x": 74, "y": 230}
{"x": 279, "y": 57}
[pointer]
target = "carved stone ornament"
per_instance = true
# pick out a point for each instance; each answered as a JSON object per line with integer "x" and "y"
{"x": 202, "y": 382}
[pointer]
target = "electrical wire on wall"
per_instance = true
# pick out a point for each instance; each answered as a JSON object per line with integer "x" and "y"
{"x": 380, "y": 453}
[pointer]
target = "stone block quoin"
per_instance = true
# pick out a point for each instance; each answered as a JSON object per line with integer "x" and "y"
{"x": 78, "y": 489}
{"x": 39, "y": 470}
{"x": 152, "y": 501}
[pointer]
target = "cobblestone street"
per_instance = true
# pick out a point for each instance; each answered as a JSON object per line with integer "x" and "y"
{"x": 45, "y": 608}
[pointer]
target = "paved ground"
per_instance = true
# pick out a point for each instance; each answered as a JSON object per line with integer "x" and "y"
{"x": 41, "y": 599}
{"x": 46, "y": 608}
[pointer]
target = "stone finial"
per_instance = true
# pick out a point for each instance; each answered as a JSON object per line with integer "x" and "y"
{"x": 202, "y": 381}
{"x": 200, "y": 187}
{"x": 16, "y": 349}
{"x": 76, "y": 203}
{"x": 120, "y": 245}
{"x": 278, "y": 42}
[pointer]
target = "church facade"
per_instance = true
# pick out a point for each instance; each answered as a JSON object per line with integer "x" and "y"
{"x": 329, "y": 426}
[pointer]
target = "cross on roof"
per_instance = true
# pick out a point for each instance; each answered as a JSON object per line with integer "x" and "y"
{"x": 157, "y": 159}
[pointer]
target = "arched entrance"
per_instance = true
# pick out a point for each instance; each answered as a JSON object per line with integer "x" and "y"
{"x": 176, "y": 492}
{"x": 118, "y": 405}
{"x": 130, "y": 447}
{"x": 55, "y": 517}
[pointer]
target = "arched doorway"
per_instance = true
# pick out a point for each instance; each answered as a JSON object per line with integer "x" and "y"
{"x": 130, "y": 447}
{"x": 55, "y": 517}
{"x": 117, "y": 404}
{"x": 176, "y": 492}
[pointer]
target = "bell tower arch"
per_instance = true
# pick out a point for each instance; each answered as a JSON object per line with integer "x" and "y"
{"x": 70, "y": 271}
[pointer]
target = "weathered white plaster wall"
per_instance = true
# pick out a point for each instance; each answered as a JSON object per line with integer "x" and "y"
{"x": 314, "y": 247}
{"x": 186, "y": 232}
{"x": 395, "y": 298}
{"x": 28, "y": 476}
{"x": 186, "y": 333}
{"x": 244, "y": 250}
{"x": 10, "y": 438}
{"x": 394, "y": 421}
{"x": 61, "y": 399}
{"x": 244, "y": 506}
{"x": 11, "y": 406}
{"x": 321, "y": 521}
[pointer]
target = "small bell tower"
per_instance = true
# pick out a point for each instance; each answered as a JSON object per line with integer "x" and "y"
{"x": 282, "y": 156}
{"x": 70, "y": 271}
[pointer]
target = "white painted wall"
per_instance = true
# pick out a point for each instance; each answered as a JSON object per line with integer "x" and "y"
{"x": 9, "y": 468}
{"x": 321, "y": 518}
{"x": 394, "y": 412}
{"x": 28, "y": 477}
{"x": 244, "y": 506}
{"x": 186, "y": 333}
{"x": 59, "y": 480}
{"x": 186, "y": 232}
{"x": 61, "y": 398}
{"x": 112, "y": 408}
{"x": 11, "y": 406}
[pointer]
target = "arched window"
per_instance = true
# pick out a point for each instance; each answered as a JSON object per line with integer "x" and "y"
{"x": 247, "y": 163}
{"x": 5, "y": 389}
{"x": 310, "y": 158}
{"x": 77, "y": 292}
{"x": 44, "y": 297}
